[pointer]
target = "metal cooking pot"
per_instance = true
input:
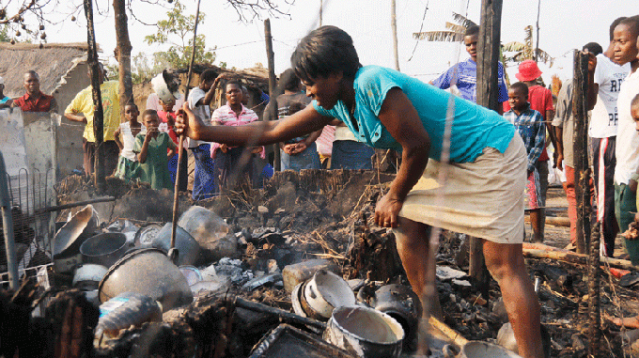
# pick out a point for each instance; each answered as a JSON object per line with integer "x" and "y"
{"x": 148, "y": 272}
{"x": 401, "y": 303}
{"x": 365, "y": 332}
{"x": 69, "y": 238}
{"x": 478, "y": 349}
{"x": 188, "y": 248}
{"x": 104, "y": 249}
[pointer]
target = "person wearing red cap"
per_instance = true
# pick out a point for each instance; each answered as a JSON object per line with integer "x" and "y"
{"x": 605, "y": 83}
{"x": 540, "y": 99}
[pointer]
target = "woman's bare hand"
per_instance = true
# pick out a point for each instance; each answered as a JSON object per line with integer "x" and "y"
{"x": 387, "y": 211}
{"x": 188, "y": 123}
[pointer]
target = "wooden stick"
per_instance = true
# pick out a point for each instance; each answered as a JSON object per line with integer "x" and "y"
{"x": 454, "y": 336}
{"x": 172, "y": 253}
{"x": 569, "y": 256}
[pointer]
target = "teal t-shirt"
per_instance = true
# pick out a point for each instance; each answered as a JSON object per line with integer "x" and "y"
{"x": 474, "y": 127}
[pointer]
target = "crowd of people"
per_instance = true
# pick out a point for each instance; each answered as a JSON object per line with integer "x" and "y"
{"x": 132, "y": 149}
{"x": 470, "y": 169}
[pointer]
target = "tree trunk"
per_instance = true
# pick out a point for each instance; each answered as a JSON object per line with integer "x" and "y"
{"x": 582, "y": 169}
{"x": 487, "y": 94}
{"x": 123, "y": 54}
{"x": 98, "y": 115}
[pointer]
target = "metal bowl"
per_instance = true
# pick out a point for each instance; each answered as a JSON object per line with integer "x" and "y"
{"x": 104, "y": 249}
{"x": 87, "y": 277}
{"x": 148, "y": 272}
{"x": 327, "y": 291}
{"x": 365, "y": 332}
{"x": 188, "y": 248}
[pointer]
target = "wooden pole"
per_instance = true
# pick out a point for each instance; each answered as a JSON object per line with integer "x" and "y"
{"x": 272, "y": 85}
{"x": 487, "y": 95}
{"x": 580, "y": 149}
{"x": 98, "y": 114}
{"x": 123, "y": 55}
{"x": 321, "y": 10}
{"x": 536, "y": 54}
{"x": 394, "y": 27}
{"x": 173, "y": 253}
{"x": 594, "y": 303}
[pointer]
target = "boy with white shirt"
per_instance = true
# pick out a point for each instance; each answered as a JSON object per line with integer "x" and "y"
{"x": 608, "y": 76}
{"x": 627, "y": 169}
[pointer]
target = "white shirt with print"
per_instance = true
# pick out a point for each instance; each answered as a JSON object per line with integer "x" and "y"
{"x": 609, "y": 76}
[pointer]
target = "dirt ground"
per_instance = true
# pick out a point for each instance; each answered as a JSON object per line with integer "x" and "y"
{"x": 323, "y": 214}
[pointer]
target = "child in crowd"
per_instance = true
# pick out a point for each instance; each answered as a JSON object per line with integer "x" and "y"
{"x": 532, "y": 130}
{"x": 167, "y": 125}
{"x": 199, "y": 101}
{"x": 128, "y": 165}
{"x": 227, "y": 158}
{"x": 154, "y": 149}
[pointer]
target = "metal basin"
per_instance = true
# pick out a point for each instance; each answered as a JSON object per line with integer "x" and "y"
{"x": 477, "y": 349}
{"x": 327, "y": 291}
{"x": 148, "y": 272}
{"x": 104, "y": 249}
{"x": 69, "y": 238}
{"x": 401, "y": 303}
{"x": 87, "y": 277}
{"x": 365, "y": 332}
{"x": 188, "y": 248}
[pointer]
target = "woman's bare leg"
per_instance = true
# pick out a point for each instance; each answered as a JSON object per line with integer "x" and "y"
{"x": 506, "y": 264}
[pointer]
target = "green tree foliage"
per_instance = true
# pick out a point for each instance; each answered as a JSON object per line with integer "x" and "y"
{"x": 4, "y": 34}
{"x": 177, "y": 32}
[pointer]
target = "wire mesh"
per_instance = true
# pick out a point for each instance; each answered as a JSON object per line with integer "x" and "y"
{"x": 30, "y": 193}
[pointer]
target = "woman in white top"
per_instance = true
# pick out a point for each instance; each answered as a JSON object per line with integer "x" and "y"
{"x": 128, "y": 165}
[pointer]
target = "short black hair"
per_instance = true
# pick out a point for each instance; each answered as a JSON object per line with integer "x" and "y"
{"x": 635, "y": 101}
{"x": 33, "y": 73}
{"x": 325, "y": 51}
{"x": 614, "y": 24}
{"x": 520, "y": 86}
{"x": 132, "y": 104}
{"x": 593, "y": 47}
{"x": 208, "y": 75}
{"x": 633, "y": 24}
{"x": 233, "y": 82}
{"x": 289, "y": 80}
{"x": 150, "y": 112}
{"x": 472, "y": 30}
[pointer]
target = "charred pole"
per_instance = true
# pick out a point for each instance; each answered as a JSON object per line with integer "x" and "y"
{"x": 272, "y": 87}
{"x": 176, "y": 190}
{"x": 582, "y": 169}
{"x": 98, "y": 114}
{"x": 487, "y": 96}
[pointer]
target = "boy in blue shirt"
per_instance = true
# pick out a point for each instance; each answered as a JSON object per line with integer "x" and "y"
{"x": 530, "y": 125}
{"x": 464, "y": 74}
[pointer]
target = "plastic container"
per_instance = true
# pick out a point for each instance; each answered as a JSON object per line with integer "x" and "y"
{"x": 125, "y": 310}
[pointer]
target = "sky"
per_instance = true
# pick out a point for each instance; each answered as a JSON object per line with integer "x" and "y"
{"x": 564, "y": 25}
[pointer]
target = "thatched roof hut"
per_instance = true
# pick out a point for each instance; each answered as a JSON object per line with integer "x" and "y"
{"x": 51, "y": 61}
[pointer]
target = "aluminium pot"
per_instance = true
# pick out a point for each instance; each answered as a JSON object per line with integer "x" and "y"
{"x": 104, "y": 249}
{"x": 148, "y": 272}
{"x": 365, "y": 332}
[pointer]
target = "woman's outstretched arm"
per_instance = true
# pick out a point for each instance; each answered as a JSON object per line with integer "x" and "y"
{"x": 257, "y": 133}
